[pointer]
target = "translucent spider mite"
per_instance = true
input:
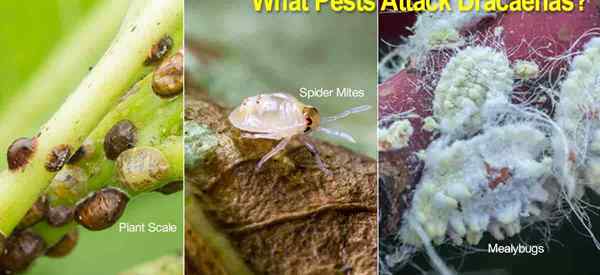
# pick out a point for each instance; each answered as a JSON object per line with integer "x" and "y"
{"x": 282, "y": 117}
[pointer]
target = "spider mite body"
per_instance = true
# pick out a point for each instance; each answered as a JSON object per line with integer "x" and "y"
{"x": 282, "y": 117}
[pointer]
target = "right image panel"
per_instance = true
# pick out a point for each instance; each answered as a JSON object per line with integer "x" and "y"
{"x": 489, "y": 142}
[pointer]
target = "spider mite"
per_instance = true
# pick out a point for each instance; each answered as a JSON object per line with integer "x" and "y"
{"x": 282, "y": 117}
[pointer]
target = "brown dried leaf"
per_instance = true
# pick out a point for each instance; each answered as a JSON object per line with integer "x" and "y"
{"x": 289, "y": 218}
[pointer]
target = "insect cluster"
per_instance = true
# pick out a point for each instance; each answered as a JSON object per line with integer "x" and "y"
{"x": 129, "y": 152}
{"x": 515, "y": 120}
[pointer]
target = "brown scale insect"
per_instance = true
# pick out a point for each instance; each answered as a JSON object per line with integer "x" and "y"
{"x": 120, "y": 137}
{"x": 36, "y": 213}
{"x": 503, "y": 175}
{"x": 170, "y": 188}
{"x": 167, "y": 80}
{"x": 19, "y": 152}
{"x": 159, "y": 50}
{"x": 21, "y": 249}
{"x": 58, "y": 157}
{"x": 60, "y": 215}
{"x": 65, "y": 245}
{"x": 138, "y": 169}
{"x": 102, "y": 209}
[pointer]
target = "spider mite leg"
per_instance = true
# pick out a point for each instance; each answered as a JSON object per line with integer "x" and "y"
{"x": 346, "y": 113}
{"x": 338, "y": 134}
{"x": 313, "y": 150}
{"x": 280, "y": 146}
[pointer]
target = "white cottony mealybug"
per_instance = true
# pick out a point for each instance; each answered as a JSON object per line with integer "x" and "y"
{"x": 281, "y": 116}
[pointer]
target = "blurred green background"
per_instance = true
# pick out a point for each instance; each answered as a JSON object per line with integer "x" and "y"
{"x": 32, "y": 32}
{"x": 234, "y": 52}
{"x": 29, "y": 34}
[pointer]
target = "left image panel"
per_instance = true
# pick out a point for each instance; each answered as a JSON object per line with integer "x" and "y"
{"x": 91, "y": 118}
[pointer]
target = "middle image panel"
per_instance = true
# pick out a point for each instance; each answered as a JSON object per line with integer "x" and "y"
{"x": 280, "y": 139}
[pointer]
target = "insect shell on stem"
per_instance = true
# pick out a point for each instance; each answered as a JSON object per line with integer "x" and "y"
{"x": 280, "y": 116}
{"x": 20, "y": 250}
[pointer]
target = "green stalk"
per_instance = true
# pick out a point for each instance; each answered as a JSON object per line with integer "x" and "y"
{"x": 92, "y": 99}
{"x": 172, "y": 149}
{"x": 52, "y": 235}
{"x": 60, "y": 74}
{"x": 159, "y": 121}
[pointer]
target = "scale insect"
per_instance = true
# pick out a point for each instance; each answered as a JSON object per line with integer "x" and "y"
{"x": 280, "y": 116}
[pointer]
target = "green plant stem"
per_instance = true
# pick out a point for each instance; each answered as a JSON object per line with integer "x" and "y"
{"x": 86, "y": 106}
{"x": 172, "y": 149}
{"x": 60, "y": 74}
{"x": 52, "y": 235}
{"x": 158, "y": 121}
